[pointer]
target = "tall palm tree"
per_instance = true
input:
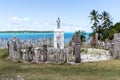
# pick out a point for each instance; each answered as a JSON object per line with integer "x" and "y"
{"x": 94, "y": 17}
{"x": 106, "y": 22}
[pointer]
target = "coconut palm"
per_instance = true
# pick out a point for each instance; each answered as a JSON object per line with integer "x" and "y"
{"x": 94, "y": 17}
{"x": 106, "y": 22}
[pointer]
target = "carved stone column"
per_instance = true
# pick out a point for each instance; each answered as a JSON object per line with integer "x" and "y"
{"x": 44, "y": 53}
{"x": 77, "y": 48}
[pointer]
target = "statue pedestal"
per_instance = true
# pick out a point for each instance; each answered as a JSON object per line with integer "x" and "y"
{"x": 58, "y": 38}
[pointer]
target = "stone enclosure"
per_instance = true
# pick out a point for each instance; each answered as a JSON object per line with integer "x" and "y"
{"x": 26, "y": 51}
{"x": 45, "y": 51}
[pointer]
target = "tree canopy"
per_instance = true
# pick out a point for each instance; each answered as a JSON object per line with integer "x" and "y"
{"x": 102, "y": 24}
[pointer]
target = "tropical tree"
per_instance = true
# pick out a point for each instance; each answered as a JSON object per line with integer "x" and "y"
{"x": 111, "y": 33}
{"x": 106, "y": 24}
{"x": 117, "y": 27}
{"x": 94, "y": 17}
{"x": 102, "y": 25}
{"x": 114, "y": 29}
{"x": 106, "y": 20}
{"x": 82, "y": 36}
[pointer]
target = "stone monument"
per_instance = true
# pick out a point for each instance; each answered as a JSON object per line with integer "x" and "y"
{"x": 76, "y": 48}
{"x": 44, "y": 53}
{"x": 58, "y": 36}
{"x": 116, "y": 45}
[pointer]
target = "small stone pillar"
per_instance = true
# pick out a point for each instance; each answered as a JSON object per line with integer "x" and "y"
{"x": 36, "y": 54}
{"x": 24, "y": 54}
{"x": 111, "y": 49}
{"x": 11, "y": 50}
{"x": 14, "y": 50}
{"x": 44, "y": 53}
{"x": 8, "y": 46}
{"x": 19, "y": 48}
{"x": 96, "y": 39}
{"x": 77, "y": 48}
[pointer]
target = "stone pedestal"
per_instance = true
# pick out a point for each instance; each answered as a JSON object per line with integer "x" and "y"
{"x": 58, "y": 39}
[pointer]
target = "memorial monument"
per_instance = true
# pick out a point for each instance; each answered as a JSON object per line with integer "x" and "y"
{"x": 76, "y": 48}
{"x": 58, "y": 36}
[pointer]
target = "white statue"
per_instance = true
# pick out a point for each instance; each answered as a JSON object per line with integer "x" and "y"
{"x": 58, "y": 22}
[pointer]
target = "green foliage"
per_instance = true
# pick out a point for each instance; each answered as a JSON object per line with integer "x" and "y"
{"x": 111, "y": 31}
{"x": 116, "y": 27}
{"x": 82, "y": 36}
{"x": 94, "y": 17}
{"x": 85, "y": 50}
{"x": 102, "y": 25}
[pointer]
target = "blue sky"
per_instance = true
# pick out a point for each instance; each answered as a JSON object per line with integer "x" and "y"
{"x": 42, "y": 14}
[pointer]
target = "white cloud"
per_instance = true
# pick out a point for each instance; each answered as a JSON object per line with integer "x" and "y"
{"x": 35, "y": 23}
{"x": 15, "y": 18}
{"x": 25, "y": 19}
{"x": 17, "y": 23}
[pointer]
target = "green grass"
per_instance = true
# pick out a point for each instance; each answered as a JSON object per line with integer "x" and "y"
{"x": 102, "y": 70}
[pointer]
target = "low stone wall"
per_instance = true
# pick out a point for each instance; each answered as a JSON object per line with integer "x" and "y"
{"x": 25, "y": 52}
{"x": 28, "y": 52}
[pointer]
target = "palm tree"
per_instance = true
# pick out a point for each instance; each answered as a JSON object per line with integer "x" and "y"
{"x": 106, "y": 22}
{"x": 94, "y": 17}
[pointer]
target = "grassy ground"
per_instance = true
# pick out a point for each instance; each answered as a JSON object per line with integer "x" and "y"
{"x": 103, "y": 70}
